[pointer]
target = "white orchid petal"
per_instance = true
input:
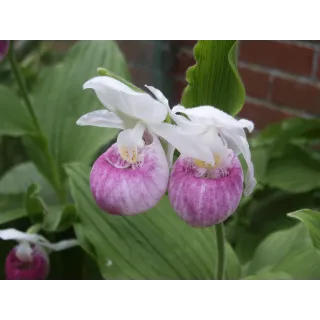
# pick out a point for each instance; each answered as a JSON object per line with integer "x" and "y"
{"x": 61, "y": 245}
{"x": 187, "y": 126}
{"x": 13, "y": 234}
{"x": 246, "y": 124}
{"x": 137, "y": 133}
{"x": 212, "y": 140}
{"x": 186, "y": 145}
{"x": 128, "y": 142}
{"x": 107, "y": 90}
{"x": 102, "y": 82}
{"x": 159, "y": 95}
{"x": 142, "y": 106}
{"x": 101, "y": 118}
{"x": 242, "y": 145}
{"x": 169, "y": 155}
{"x": 116, "y": 96}
{"x": 211, "y": 115}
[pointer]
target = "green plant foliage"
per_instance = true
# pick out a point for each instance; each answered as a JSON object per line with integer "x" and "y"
{"x": 270, "y": 275}
{"x": 311, "y": 219}
{"x": 154, "y": 245}
{"x": 263, "y": 213}
{"x": 296, "y": 170}
{"x": 59, "y": 218}
{"x": 60, "y": 101}
{"x": 35, "y": 205}
{"x": 11, "y": 215}
{"x": 19, "y": 178}
{"x": 290, "y": 251}
{"x": 214, "y": 79}
{"x": 14, "y": 120}
{"x": 292, "y": 129}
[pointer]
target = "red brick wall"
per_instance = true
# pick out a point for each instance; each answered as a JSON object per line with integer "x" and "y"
{"x": 282, "y": 78}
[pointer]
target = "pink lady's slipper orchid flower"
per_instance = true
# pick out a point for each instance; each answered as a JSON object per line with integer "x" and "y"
{"x": 4, "y": 47}
{"x": 202, "y": 193}
{"x": 29, "y": 259}
{"x": 132, "y": 175}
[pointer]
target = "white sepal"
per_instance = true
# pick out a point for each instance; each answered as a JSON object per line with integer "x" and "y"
{"x": 186, "y": 145}
{"x": 101, "y": 118}
{"x": 13, "y": 234}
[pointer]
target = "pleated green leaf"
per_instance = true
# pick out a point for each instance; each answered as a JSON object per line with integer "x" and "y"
{"x": 214, "y": 79}
{"x": 311, "y": 219}
{"x": 14, "y": 119}
{"x": 60, "y": 100}
{"x": 18, "y": 179}
{"x": 269, "y": 275}
{"x": 10, "y": 215}
{"x": 59, "y": 218}
{"x": 290, "y": 251}
{"x": 153, "y": 245}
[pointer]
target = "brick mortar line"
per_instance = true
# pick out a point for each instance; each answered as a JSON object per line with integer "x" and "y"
{"x": 278, "y": 107}
{"x": 302, "y": 44}
{"x": 266, "y": 70}
{"x": 278, "y": 73}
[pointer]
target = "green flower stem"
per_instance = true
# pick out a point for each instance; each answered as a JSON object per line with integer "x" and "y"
{"x": 19, "y": 77}
{"x": 221, "y": 251}
{"x": 44, "y": 143}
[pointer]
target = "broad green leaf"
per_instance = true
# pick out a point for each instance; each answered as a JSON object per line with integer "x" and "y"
{"x": 263, "y": 213}
{"x": 7, "y": 216}
{"x": 233, "y": 268}
{"x": 269, "y": 275}
{"x": 277, "y": 246}
{"x": 14, "y": 117}
{"x": 279, "y": 134}
{"x": 297, "y": 170}
{"x": 311, "y": 219}
{"x": 290, "y": 251}
{"x": 60, "y": 100}
{"x": 19, "y": 178}
{"x": 153, "y": 245}
{"x": 214, "y": 79}
{"x": 11, "y": 202}
{"x": 59, "y": 218}
{"x": 302, "y": 264}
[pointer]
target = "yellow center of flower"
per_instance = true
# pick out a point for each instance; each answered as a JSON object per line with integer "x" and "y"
{"x": 205, "y": 165}
{"x": 130, "y": 155}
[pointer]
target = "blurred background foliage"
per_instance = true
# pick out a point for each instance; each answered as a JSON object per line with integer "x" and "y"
{"x": 264, "y": 242}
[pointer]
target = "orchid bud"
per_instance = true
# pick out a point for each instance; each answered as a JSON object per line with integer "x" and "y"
{"x": 203, "y": 195}
{"x": 131, "y": 186}
{"x": 27, "y": 262}
{"x": 4, "y": 47}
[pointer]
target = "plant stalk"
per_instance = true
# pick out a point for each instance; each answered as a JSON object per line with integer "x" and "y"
{"x": 220, "y": 250}
{"x": 19, "y": 77}
{"x": 20, "y": 80}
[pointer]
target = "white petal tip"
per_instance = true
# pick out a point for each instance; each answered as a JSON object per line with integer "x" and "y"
{"x": 247, "y": 124}
{"x": 249, "y": 187}
{"x": 79, "y": 122}
{"x": 86, "y": 85}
